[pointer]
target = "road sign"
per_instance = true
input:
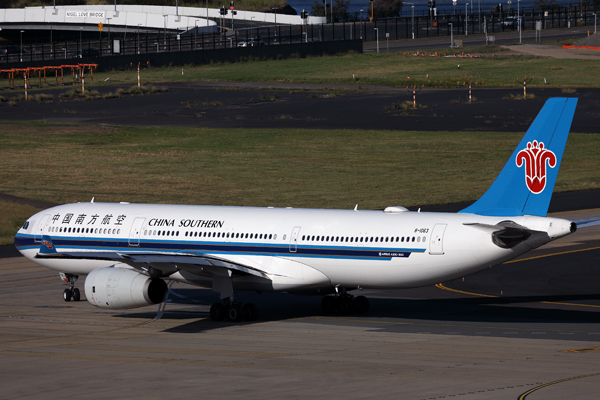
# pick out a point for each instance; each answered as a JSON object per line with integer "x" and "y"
{"x": 100, "y": 26}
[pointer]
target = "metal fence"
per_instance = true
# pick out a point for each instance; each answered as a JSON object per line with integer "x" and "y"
{"x": 35, "y": 49}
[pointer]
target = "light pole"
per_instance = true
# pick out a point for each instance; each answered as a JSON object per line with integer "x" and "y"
{"x": 451, "y": 36}
{"x": 519, "y": 18}
{"x": 412, "y": 20}
{"x": 479, "y": 16}
{"x": 138, "y": 41}
{"x": 594, "y": 14}
{"x": 206, "y": 14}
{"x": 275, "y": 9}
{"x": 165, "y": 29}
{"x": 109, "y": 43}
{"x": 377, "y": 35}
{"x": 80, "y": 42}
{"x": 195, "y": 34}
{"x": 251, "y": 25}
{"x": 20, "y": 49}
{"x": 466, "y": 20}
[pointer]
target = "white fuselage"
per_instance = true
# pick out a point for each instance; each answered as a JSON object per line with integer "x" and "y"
{"x": 295, "y": 248}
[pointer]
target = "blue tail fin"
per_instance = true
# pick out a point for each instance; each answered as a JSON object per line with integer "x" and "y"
{"x": 525, "y": 185}
{"x": 47, "y": 247}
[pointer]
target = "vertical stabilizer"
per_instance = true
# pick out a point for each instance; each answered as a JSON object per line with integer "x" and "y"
{"x": 525, "y": 185}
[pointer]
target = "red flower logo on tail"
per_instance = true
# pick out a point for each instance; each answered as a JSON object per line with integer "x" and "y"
{"x": 535, "y": 158}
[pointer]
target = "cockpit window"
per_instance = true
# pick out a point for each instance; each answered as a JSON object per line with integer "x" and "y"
{"x": 26, "y": 225}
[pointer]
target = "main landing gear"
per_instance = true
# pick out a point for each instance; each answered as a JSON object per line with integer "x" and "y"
{"x": 72, "y": 292}
{"x": 233, "y": 311}
{"x": 345, "y": 304}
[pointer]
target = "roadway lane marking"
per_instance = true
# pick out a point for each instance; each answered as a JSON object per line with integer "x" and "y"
{"x": 581, "y": 350}
{"x": 550, "y": 255}
{"x": 441, "y": 286}
{"x": 527, "y": 393}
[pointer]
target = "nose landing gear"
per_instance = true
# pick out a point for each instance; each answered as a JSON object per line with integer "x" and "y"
{"x": 72, "y": 292}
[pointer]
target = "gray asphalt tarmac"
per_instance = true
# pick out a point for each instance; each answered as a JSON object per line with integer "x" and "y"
{"x": 528, "y": 327}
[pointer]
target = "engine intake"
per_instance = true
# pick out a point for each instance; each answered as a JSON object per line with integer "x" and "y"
{"x": 120, "y": 288}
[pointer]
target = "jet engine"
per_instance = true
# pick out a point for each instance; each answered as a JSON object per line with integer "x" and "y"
{"x": 121, "y": 288}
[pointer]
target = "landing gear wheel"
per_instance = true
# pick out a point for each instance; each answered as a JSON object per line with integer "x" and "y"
{"x": 234, "y": 312}
{"x": 346, "y": 305}
{"x": 67, "y": 295}
{"x": 250, "y": 312}
{"x": 328, "y": 304}
{"x": 217, "y": 312}
{"x": 76, "y": 295}
{"x": 361, "y": 304}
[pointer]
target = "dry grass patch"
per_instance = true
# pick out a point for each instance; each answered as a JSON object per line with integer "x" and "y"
{"x": 12, "y": 217}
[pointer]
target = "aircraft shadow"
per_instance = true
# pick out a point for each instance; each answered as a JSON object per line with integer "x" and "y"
{"x": 530, "y": 310}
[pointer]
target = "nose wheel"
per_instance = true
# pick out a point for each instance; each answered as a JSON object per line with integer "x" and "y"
{"x": 72, "y": 293}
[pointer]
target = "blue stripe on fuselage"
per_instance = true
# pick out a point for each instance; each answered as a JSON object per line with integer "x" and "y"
{"x": 23, "y": 242}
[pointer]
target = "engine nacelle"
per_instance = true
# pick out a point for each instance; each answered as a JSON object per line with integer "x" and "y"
{"x": 120, "y": 288}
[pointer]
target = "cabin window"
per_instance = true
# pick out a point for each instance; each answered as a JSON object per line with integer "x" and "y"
{"x": 270, "y": 236}
{"x": 413, "y": 238}
{"x": 423, "y": 238}
{"x": 418, "y": 238}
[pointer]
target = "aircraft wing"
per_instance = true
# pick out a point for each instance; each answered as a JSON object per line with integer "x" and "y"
{"x": 157, "y": 259}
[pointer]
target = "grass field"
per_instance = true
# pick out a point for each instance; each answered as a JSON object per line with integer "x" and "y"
{"x": 266, "y": 167}
{"x": 12, "y": 217}
{"x": 261, "y": 167}
{"x": 371, "y": 68}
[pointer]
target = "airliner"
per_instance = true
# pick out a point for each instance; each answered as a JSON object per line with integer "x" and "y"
{"x": 129, "y": 251}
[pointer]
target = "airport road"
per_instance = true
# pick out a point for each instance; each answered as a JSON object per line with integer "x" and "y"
{"x": 312, "y": 106}
{"x": 496, "y": 335}
{"x": 501, "y": 38}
